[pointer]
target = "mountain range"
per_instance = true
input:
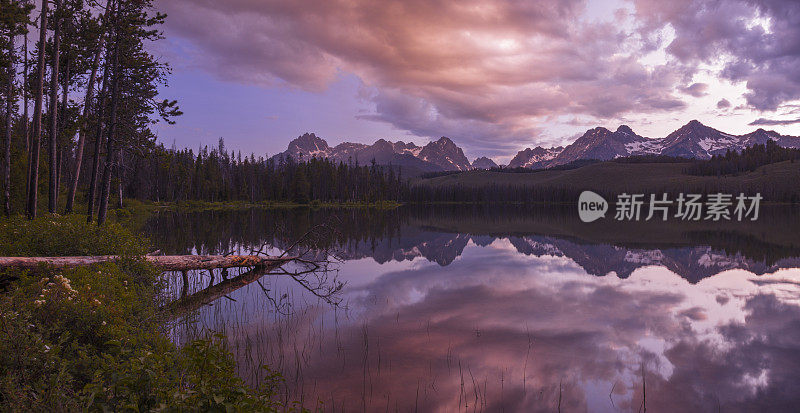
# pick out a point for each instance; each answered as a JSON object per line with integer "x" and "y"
{"x": 693, "y": 140}
{"x": 439, "y": 155}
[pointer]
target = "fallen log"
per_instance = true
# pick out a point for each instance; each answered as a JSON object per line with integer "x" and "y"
{"x": 166, "y": 262}
{"x": 189, "y": 304}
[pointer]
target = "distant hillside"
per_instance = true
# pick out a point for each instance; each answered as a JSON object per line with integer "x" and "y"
{"x": 777, "y": 182}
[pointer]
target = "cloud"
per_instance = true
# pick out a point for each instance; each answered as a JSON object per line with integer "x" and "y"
{"x": 723, "y": 104}
{"x": 494, "y": 74}
{"x": 696, "y": 89}
{"x": 757, "y": 42}
{"x": 774, "y": 122}
{"x": 486, "y": 72}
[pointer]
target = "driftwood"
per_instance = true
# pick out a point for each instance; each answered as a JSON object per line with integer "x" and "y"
{"x": 166, "y": 262}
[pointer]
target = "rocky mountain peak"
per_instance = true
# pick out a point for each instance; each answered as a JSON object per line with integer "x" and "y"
{"x": 625, "y": 129}
{"x": 446, "y": 154}
{"x": 309, "y": 141}
{"x": 483, "y": 163}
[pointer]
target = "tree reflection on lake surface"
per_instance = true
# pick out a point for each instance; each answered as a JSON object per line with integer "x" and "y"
{"x": 512, "y": 309}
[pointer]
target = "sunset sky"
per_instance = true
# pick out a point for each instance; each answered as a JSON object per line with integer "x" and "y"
{"x": 495, "y": 76}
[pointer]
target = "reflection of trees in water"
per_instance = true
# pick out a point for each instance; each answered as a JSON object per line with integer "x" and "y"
{"x": 694, "y": 250}
{"x": 464, "y": 346}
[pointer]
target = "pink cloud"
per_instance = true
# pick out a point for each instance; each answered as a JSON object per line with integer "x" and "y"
{"x": 478, "y": 70}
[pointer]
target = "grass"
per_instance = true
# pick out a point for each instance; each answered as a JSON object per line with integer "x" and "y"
{"x": 92, "y": 338}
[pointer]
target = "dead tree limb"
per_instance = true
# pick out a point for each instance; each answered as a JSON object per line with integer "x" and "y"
{"x": 165, "y": 262}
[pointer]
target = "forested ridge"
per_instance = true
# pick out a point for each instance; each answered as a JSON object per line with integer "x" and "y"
{"x": 217, "y": 175}
{"x": 748, "y": 160}
{"x": 80, "y": 93}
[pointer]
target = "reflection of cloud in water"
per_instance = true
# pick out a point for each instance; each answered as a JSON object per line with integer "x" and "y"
{"x": 497, "y": 329}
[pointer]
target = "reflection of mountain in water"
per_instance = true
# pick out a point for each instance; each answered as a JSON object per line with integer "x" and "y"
{"x": 691, "y": 263}
{"x": 441, "y": 235}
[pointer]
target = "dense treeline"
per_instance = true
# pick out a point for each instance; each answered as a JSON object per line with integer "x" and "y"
{"x": 492, "y": 193}
{"x": 216, "y": 175}
{"x": 78, "y": 100}
{"x": 560, "y": 194}
{"x": 748, "y": 160}
{"x": 523, "y": 170}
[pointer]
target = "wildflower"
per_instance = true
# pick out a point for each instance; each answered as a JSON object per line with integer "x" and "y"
{"x": 103, "y": 323}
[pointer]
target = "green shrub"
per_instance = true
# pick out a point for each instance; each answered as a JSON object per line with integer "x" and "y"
{"x": 66, "y": 236}
{"x": 92, "y": 338}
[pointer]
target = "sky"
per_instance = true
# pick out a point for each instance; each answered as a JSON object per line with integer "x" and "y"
{"x": 496, "y": 76}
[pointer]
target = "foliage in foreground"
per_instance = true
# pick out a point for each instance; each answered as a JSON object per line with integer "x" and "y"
{"x": 91, "y": 338}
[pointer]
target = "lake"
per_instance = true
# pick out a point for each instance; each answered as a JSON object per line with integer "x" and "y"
{"x": 502, "y": 308}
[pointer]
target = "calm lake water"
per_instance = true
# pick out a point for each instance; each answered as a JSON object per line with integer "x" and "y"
{"x": 505, "y": 309}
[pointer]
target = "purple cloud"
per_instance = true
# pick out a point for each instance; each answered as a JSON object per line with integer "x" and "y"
{"x": 774, "y": 122}
{"x": 759, "y": 41}
{"x": 486, "y": 72}
{"x": 696, "y": 89}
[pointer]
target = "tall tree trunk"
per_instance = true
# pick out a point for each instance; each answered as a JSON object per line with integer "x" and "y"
{"x": 98, "y": 142}
{"x": 62, "y": 122}
{"x": 25, "y": 122}
{"x": 112, "y": 126}
{"x": 33, "y": 162}
{"x": 85, "y": 122}
{"x": 9, "y": 111}
{"x": 119, "y": 184}
{"x": 53, "y": 132}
